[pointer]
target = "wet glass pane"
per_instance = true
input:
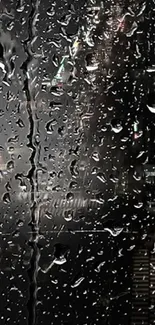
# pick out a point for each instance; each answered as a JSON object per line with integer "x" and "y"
{"x": 77, "y": 162}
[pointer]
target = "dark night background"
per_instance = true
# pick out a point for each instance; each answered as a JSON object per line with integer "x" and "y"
{"x": 69, "y": 230}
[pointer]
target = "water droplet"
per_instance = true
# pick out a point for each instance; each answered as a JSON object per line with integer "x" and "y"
{"x": 101, "y": 177}
{"x": 20, "y": 123}
{"x": 98, "y": 268}
{"x": 60, "y": 261}
{"x": 68, "y": 215}
{"x": 77, "y": 282}
{"x": 91, "y": 62}
{"x": 138, "y": 205}
{"x": 117, "y": 129}
{"x": 95, "y": 156}
{"x": 6, "y": 198}
{"x": 114, "y": 232}
{"x": 151, "y": 109}
{"x": 49, "y": 127}
{"x": 70, "y": 196}
{"x": 10, "y": 165}
{"x": 73, "y": 185}
{"x": 51, "y": 11}
{"x": 8, "y": 187}
{"x": 48, "y": 215}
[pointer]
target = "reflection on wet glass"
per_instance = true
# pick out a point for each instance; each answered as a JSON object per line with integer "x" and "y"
{"x": 77, "y": 162}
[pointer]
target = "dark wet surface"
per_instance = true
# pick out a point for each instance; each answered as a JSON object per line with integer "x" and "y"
{"x": 76, "y": 137}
